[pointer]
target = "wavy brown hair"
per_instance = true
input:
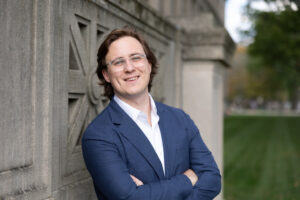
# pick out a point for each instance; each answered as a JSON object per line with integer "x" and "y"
{"x": 103, "y": 50}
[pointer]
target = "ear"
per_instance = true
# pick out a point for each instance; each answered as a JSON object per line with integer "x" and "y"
{"x": 105, "y": 75}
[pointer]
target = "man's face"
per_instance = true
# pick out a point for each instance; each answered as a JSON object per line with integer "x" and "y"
{"x": 130, "y": 78}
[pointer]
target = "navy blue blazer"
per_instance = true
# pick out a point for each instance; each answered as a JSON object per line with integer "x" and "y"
{"x": 115, "y": 147}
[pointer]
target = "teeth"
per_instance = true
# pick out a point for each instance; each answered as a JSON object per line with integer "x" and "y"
{"x": 132, "y": 79}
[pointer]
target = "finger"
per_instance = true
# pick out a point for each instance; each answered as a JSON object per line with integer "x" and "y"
{"x": 136, "y": 181}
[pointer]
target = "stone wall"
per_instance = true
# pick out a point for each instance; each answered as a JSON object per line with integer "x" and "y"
{"x": 189, "y": 8}
{"x": 50, "y": 93}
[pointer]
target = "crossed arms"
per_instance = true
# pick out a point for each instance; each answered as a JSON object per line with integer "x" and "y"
{"x": 189, "y": 173}
{"x": 111, "y": 175}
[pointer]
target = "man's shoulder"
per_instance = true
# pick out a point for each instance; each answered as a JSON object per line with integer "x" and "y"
{"x": 176, "y": 116}
{"x": 170, "y": 109}
{"x": 102, "y": 118}
{"x": 99, "y": 124}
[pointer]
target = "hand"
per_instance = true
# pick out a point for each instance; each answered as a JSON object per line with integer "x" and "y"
{"x": 136, "y": 180}
{"x": 191, "y": 175}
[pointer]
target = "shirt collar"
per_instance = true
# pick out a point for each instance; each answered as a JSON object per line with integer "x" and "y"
{"x": 133, "y": 112}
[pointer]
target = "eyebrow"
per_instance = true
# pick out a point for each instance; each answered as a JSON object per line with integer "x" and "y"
{"x": 133, "y": 54}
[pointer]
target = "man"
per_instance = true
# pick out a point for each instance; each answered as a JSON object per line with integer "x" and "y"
{"x": 138, "y": 149}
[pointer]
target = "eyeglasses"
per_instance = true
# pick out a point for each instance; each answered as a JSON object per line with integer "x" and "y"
{"x": 137, "y": 60}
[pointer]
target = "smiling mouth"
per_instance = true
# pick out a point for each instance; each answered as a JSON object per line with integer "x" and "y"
{"x": 132, "y": 78}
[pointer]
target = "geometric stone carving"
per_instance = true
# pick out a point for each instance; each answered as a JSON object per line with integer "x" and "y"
{"x": 84, "y": 93}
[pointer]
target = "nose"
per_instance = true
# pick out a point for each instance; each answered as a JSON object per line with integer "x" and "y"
{"x": 128, "y": 66}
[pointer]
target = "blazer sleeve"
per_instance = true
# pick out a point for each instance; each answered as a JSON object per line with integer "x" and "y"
{"x": 111, "y": 175}
{"x": 203, "y": 164}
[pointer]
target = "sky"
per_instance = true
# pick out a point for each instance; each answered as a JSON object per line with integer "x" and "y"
{"x": 234, "y": 18}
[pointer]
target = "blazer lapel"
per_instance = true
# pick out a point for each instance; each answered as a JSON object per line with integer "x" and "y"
{"x": 169, "y": 141}
{"x": 128, "y": 128}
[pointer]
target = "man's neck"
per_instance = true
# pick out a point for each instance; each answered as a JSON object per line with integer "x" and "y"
{"x": 141, "y": 103}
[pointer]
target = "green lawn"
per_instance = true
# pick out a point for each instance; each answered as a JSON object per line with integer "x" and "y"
{"x": 261, "y": 158}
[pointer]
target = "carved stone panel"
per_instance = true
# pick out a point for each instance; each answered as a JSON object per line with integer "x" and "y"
{"x": 84, "y": 93}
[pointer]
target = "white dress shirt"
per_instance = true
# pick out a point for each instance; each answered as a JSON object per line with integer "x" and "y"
{"x": 151, "y": 132}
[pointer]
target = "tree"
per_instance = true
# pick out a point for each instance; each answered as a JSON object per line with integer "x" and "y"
{"x": 276, "y": 46}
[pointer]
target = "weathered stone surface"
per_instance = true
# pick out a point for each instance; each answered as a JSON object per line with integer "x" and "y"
{"x": 213, "y": 44}
{"x": 25, "y": 159}
{"x": 49, "y": 90}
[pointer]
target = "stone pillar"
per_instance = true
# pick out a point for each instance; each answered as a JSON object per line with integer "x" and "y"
{"x": 25, "y": 87}
{"x": 207, "y": 50}
{"x": 203, "y": 100}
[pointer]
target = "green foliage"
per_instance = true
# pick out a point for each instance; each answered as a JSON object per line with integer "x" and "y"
{"x": 275, "y": 51}
{"x": 261, "y": 158}
{"x": 263, "y": 81}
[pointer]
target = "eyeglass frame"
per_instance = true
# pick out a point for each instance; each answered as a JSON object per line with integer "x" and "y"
{"x": 131, "y": 62}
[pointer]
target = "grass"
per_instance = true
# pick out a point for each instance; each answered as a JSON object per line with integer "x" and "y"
{"x": 261, "y": 158}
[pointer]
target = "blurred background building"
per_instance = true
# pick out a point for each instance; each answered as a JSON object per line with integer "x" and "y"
{"x": 50, "y": 93}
